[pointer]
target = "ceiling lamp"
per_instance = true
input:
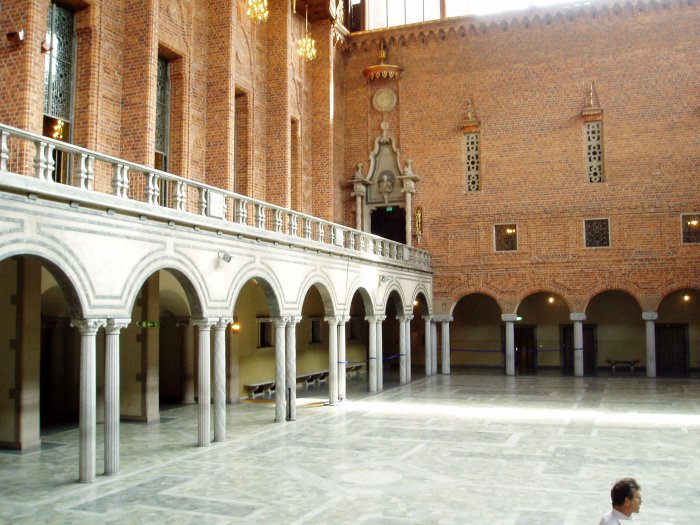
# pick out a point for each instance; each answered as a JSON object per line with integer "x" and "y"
{"x": 382, "y": 70}
{"x": 257, "y": 10}
{"x": 306, "y": 47}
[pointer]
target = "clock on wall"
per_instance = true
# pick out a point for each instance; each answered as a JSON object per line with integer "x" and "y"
{"x": 384, "y": 100}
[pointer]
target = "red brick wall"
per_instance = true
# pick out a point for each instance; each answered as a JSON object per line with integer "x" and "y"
{"x": 529, "y": 79}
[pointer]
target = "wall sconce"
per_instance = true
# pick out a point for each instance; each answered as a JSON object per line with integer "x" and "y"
{"x": 235, "y": 325}
{"x": 15, "y": 37}
{"x": 224, "y": 256}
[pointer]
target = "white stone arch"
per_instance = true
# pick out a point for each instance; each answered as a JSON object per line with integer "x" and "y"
{"x": 421, "y": 289}
{"x": 368, "y": 299}
{"x": 189, "y": 277}
{"x": 387, "y": 294}
{"x": 73, "y": 281}
{"x": 268, "y": 282}
{"x": 325, "y": 289}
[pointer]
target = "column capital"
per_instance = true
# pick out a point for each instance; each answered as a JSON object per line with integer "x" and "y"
{"x": 204, "y": 323}
{"x": 88, "y": 326}
{"x": 294, "y": 319}
{"x": 223, "y": 322}
{"x": 334, "y": 320}
{"x": 371, "y": 318}
{"x": 443, "y": 318}
{"x": 404, "y": 318}
{"x": 344, "y": 319}
{"x": 114, "y": 326}
{"x": 509, "y": 318}
{"x": 650, "y": 316}
{"x": 381, "y": 318}
{"x": 428, "y": 318}
{"x": 577, "y": 316}
{"x": 280, "y": 321}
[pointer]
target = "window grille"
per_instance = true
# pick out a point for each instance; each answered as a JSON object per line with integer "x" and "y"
{"x": 594, "y": 150}
{"x": 473, "y": 162}
{"x": 597, "y": 232}
{"x": 58, "y": 63}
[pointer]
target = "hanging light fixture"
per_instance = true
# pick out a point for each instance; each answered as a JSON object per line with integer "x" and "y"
{"x": 306, "y": 47}
{"x": 257, "y": 10}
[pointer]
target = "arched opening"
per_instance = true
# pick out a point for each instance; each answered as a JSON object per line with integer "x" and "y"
{"x": 42, "y": 370}
{"x": 313, "y": 362}
{"x": 677, "y": 333}
{"x": 390, "y": 366}
{"x": 252, "y": 342}
{"x": 619, "y": 331}
{"x": 357, "y": 346}
{"x": 476, "y": 333}
{"x": 420, "y": 310}
{"x": 540, "y": 317}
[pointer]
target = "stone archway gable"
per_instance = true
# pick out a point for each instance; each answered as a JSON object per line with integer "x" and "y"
{"x": 270, "y": 285}
{"x": 326, "y": 291}
{"x": 368, "y": 299}
{"x": 192, "y": 282}
{"x": 387, "y": 294}
{"x": 73, "y": 282}
{"x": 420, "y": 289}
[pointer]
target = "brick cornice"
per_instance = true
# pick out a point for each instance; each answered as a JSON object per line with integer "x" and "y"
{"x": 462, "y": 27}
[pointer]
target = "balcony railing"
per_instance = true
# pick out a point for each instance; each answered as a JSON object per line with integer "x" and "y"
{"x": 29, "y": 154}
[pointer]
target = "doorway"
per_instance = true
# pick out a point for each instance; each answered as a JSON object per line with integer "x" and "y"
{"x": 672, "y": 349}
{"x": 525, "y": 349}
{"x": 567, "y": 349}
{"x": 389, "y": 222}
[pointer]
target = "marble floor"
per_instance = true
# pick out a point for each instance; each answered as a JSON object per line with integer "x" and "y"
{"x": 459, "y": 449}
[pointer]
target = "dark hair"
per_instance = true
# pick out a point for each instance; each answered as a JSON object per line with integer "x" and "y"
{"x": 623, "y": 489}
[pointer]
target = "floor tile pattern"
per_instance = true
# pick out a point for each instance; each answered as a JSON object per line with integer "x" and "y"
{"x": 458, "y": 449}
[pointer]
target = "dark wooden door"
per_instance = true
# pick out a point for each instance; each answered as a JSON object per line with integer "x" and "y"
{"x": 525, "y": 349}
{"x": 671, "y": 349}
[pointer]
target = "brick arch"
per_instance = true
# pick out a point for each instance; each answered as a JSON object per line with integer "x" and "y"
{"x": 629, "y": 290}
{"x": 554, "y": 290}
{"x": 488, "y": 294}
{"x": 484, "y": 289}
{"x": 672, "y": 288}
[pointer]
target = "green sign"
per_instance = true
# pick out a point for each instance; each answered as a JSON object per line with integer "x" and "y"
{"x": 148, "y": 324}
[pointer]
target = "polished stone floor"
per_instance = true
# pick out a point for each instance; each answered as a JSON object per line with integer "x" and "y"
{"x": 459, "y": 449}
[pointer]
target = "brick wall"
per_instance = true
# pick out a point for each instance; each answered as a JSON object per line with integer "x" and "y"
{"x": 529, "y": 79}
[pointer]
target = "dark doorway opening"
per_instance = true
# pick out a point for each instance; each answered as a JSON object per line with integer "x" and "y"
{"x": 567, "y": 349}
{"x": 389, "y": 222}
{"x": 671, "y": 349}
{"x": 525, "y": 348}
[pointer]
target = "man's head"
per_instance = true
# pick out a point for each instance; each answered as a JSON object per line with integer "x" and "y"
{"x": 626, "y": 496}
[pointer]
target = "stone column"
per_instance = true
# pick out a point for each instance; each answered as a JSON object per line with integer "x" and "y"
{"x": 402, "y": 349}
{"x": 446, "y": 344}
{"x": 433, "y": 343}
{"x": 408, "y": 318}
{"x": 88, "y": 395}
{"x": 650, "y": 317}
{"x": 342, "y": 359}
{"x": 380, "y": 353}
{"x": 578, "y": 319}
{"x": 280, "y": 370}
{"x": 291, "y": 362}
{"x": 332, "y": 359}
{"x": 220, "y": 379}
{"x": 510, "y": 319}
{"x": 428, "y": 347}
{"x": 372, "y": 371}
{"x": 204, "y": 380}
{"x": 187, "y": 362}
{"x": 112, "y": 401}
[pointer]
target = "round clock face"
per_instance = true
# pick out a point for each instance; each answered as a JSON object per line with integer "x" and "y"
{"x": 384, "y": 100}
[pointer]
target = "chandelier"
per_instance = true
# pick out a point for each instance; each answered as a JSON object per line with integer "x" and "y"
{"x": 306, "y": 47}
{"x": 257, "y": 10}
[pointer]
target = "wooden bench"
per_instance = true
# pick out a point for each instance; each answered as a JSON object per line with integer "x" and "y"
{"x": 265, "y": 387}
{"x": 254, "y": 389}
{"x": 614, "y": 363}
